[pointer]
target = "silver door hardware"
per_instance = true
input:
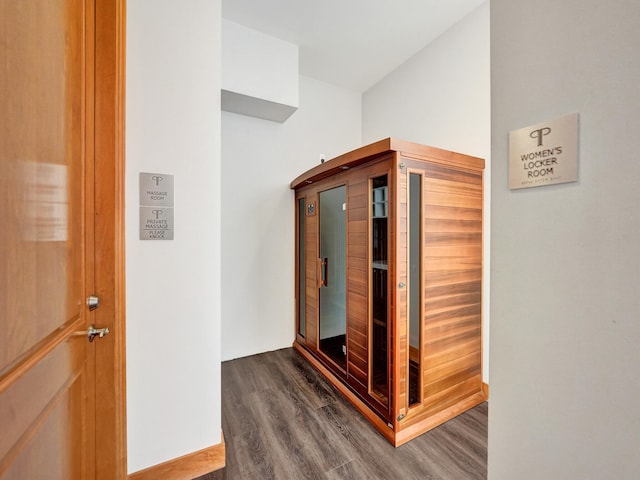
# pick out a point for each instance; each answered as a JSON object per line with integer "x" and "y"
{"x": 93, "y": 302}
{"x": 94, "y": 332}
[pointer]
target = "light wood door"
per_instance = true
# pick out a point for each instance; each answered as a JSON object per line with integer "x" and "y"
{"x": 47, "y": 267}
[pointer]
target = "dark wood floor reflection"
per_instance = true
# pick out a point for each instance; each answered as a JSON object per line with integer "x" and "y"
{"x": 282, "y": 420}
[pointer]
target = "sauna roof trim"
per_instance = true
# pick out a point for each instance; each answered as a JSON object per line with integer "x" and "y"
{"x": 383, "y": 147}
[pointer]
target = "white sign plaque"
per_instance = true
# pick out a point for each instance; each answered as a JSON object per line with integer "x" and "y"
{"x": 156, "y": 223}
{"x": 544, "y": 154}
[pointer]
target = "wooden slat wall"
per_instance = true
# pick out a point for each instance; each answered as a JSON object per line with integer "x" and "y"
{"x": 398, "y": 231}
{"x": 358, "y": 280}
{"x": 311, "y": 280}
{"x": 358, "y": 288}
{"x": 452, "y": 269}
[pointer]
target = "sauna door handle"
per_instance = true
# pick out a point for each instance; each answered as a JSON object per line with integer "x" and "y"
{"x": 324, "y": 263}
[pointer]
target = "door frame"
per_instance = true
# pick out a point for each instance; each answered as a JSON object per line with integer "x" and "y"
{"x": 108, "y": 187}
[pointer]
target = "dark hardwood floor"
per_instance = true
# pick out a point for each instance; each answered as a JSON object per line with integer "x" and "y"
{"x": 282, "y": 420}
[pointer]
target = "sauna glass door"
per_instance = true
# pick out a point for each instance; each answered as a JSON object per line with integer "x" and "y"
{"x": 333, "y": 274}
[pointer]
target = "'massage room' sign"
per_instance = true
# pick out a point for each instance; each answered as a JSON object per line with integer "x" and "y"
{"x": 544, "y": 154}
{"x": 156, "y": 206}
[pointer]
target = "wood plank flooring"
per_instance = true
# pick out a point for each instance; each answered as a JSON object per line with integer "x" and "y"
{"x": 282, "y": 420}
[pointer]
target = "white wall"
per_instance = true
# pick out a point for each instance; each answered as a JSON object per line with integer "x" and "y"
{"x": 441, "y": 97}
{"x": 259, "y": 160}
{"x": 173, "y": 287}
{"x": 248, "y": 55}
{"x": 565, "y": 306}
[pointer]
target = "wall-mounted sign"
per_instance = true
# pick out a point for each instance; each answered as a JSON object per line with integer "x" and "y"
{"x": 156, "y": 223}
{"x": 156, "y": 189}
{"x": 544, "y": 154}
{"x": 156, "y": 206}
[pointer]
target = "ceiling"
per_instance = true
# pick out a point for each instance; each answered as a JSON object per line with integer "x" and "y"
{"x": 350, "y": 43}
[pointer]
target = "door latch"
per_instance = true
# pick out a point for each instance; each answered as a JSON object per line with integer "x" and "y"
{"x": 94, "y": 332}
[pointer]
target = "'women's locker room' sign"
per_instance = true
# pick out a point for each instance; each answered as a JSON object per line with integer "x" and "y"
{"x": 544, "y": 154}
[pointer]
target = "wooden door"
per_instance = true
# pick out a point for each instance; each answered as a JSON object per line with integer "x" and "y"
{"x": 307, "y": 268}
{"x": 47, "y": 253}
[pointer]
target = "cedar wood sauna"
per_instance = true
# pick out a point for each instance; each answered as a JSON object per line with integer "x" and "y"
{"x": 389, "y": 282}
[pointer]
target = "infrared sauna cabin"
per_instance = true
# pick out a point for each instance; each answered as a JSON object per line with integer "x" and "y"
{"x": 389, "y": 282}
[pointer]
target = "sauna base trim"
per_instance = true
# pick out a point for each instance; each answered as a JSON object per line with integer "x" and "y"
{"x": 403, "y": 435}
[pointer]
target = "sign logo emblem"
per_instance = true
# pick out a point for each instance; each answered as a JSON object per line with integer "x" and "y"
{"x": 540, "y": 134}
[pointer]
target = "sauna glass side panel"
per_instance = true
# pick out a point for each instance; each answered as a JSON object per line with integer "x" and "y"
{"x": 379, "y": 352}
{"x": 415, "y": 286}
